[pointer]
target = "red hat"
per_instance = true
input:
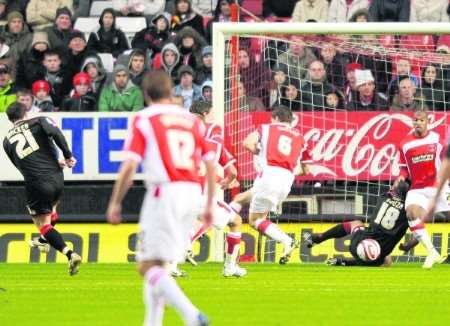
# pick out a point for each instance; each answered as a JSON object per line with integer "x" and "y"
{"x": 39, "y": 85}
{"x": 81, "y": 78}
{"x": 352, "y": 67}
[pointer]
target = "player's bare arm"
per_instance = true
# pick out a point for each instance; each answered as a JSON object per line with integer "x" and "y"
{"x": 230, "y": 177}
{"x": 121, "y": 186}
{"x": 251, "y": 143}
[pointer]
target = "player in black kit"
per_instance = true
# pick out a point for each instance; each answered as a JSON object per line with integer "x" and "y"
{"x": 387, "y": 226}
{"x": 30, "y": 145}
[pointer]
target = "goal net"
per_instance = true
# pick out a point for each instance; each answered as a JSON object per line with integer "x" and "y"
{"x": 353, "y": 88}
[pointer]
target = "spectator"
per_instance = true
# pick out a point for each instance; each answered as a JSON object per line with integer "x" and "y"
{"x": 81, "y": 99}
{"x": 429, "y": 11}
{"x": 139, "y": 7}
{"x": 190, "y": 45}
{"x": 290, "y": 96}
{"x": 42, "y": 99}
{"x": 297, "y": 58}
{"x": 5, "y": 51}
{"x": 314, "y": 90}
{"x": 59, "y": 33}
{"x": 310, "y": 10}
{"x": 154, "y": 36}
{"x": 170, "y": 60}
{"x": 7, "y": 87}
{"x": 204, "y": 72}
{"x": 222, "y": 14}
{"x": 406, "y": 99}
{"x": 93, "y": 66}
{"x": 184, "y": 16}
{"x": 403, "y": 69}
{"x": 121, "y": 94}
{"x": 279, "y": 79}
{"x": 186, "y": 87}
{"x": 58, "y": 77}
{"x": 77, "y": 51}
{"x": 389, "y": 11}
{"x": 433, "y": 89}
{"x": 81, "y": 8}
{"x": 255, "y": 76}
{"x": 42, "y": 13}
{"x": 350, "y": 89}
{"x": 17, "y": 5}
{"x": 360, "y": 16}
{"x": 25, "y": 96}
{"x": 29, "y": 66}
{"x": 17, "y": 34}
{"x": 107, "y": 38}
{"x": 207, "y": 91}
{"x": 249, "y": 103}
{"x": 334, "y": 62}
{"x": 367, "y": 99}
{"x": 137, "y": 65}
{"x": 333, "y": 101}
{"x": 3, "y": 9}
{"x": 341, "y": 11}
{"x": 204, "y": 7}
{"x": 277, "y": 8}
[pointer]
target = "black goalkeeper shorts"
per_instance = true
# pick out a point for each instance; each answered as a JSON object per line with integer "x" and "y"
{"x": 43, "y": 193}
{"x": 357, "y": 237}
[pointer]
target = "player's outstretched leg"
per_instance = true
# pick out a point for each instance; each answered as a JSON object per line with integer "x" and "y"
{"x": 233, "y": 245}
{"x": 337, "y": 231}
{"x": 40, "y": 242}
{"x": 408, "y": 245}
{"x": 199, "y": 229}
{"x": 159, "y": 289}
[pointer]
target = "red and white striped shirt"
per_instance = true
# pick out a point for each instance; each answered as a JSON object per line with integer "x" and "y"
{"x": 170, "y": 144}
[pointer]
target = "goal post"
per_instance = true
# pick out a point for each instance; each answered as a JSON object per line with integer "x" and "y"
{"x": 354, "y": 150}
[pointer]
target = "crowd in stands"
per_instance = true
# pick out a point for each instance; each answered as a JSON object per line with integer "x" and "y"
{"x": 50, "y": 66}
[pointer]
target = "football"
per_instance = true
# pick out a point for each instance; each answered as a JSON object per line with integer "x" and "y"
{"x": 368, "y": 250}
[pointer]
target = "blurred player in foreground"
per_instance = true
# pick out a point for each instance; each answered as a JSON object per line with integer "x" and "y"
{"x": 224, "y": 215}
{"x": 420, "y": 161}
{"x": 30, "y": 145}
{"x": 387, "y": 226}
{"x": 170, "y": 144}
{"x": 283, "y": 150}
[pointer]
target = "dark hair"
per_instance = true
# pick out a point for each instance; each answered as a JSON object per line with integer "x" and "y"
{"x": 16, "y": 111}
{"x": 157, "y": 85}
{"x": 402, "y": 189}
{"x": 50, "y": 53}
{"x": 24, "y": 92}
{"x": 138, "y": 53}
{"x": 283, "y": 113}
{"x": 200, "y": 108}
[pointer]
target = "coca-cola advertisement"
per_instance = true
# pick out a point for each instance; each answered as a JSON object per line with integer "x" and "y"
{"x": 343, "y": 145}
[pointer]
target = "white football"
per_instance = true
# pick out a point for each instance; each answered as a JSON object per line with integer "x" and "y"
{"x": 368, "y": 250}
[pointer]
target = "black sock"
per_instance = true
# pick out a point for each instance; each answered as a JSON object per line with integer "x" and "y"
{"x": 337, "y": 231}
{"x": 69, "y": 254}
{"x": 55, "y": 239}
{"x": 42, "y": 239}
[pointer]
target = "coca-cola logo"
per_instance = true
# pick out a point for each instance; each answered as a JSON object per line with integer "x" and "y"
{"x": 368, "y": 147}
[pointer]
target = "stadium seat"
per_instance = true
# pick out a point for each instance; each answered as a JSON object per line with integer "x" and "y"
{"x": 388, "y": 41}
{"x": 97, "y": 7}
{"x": 131, "y": 25}
{"x": 417, "y": 42}
{"x": 107, "y": 60}
{"x": 86, "y": 25}
{"x": 254, "y": 6}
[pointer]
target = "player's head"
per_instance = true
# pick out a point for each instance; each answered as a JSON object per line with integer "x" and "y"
{"x": 282, "y": 113}
{"x": 401, "y": 190}
{"x": 420, "y": 122}
{"x": 158, "y": 85}
{"x": 201, "y": 109}
{"x": 16, "y": 111}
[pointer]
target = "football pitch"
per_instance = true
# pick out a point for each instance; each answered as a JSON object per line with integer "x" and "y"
{"x": 295, "y": 294}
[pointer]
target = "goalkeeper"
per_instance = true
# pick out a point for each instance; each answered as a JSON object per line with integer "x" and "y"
{"x": 387, "y": 226}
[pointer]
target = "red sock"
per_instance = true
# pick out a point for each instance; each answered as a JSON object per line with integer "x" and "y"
{"x": 233, "y": 240}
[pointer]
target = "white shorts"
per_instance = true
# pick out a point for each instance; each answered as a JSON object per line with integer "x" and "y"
{"x": 271, "y": 189}
{"x": 423, "y": 196}
{"x": 167, "y": 217}
{"x": 223, "y": 214}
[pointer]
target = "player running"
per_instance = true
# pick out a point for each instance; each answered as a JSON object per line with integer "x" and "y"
{"x": 420, "y": 160}
{"x": 224, "y": 214}
{"x": 282, "y": 150}
{"x": 30, "y": 145}
{"x": 169, "y": 143}
{"x": 387, "y": 226}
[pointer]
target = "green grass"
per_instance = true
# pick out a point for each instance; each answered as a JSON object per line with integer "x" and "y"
{"x": 110, "y": 294}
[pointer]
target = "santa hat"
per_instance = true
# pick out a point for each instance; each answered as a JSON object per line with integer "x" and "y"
{"x": 40, "y": 85}
{"x": 363, "y": 76}
{"x": 81, "y": 78}
{"x": 352, "y": 67}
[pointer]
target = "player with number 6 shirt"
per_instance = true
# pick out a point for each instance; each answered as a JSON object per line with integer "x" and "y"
{"x": 283, "y": 152}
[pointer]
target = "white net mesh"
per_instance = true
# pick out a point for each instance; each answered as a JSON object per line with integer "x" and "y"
{"x": 353, "y": 96}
